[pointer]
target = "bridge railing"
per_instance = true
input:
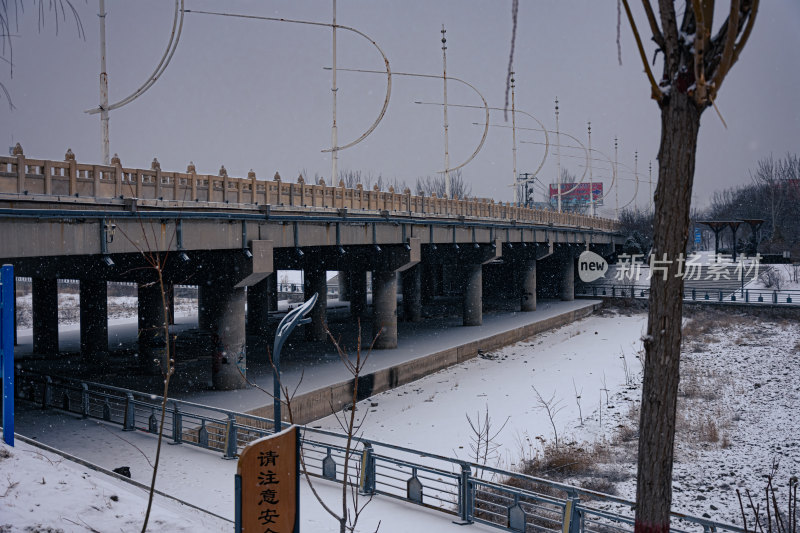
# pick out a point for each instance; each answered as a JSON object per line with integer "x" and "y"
{"x": 21, "y": 175}
{"x": 473, "y": 492}
{"x": 710, "y": 294}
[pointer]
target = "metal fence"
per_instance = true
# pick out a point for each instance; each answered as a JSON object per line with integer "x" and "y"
{"x": 698, "y": 294}
{"x": 468, "y": 491}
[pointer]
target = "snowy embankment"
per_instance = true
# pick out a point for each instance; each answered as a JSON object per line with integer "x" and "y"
{"x": 737, "y": 413}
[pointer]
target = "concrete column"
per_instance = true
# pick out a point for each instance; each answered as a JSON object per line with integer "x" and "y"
{"x": 412, "y": 294}
{"x": 258, "y": 315}
{"x": 358, "y": 293}
{"x": 528, "y": 300}
{"x": 206, "y": 307}
{"x": 272, "y": 292}
{"x": 152, "y": 347}
{"x": 473, "y": 295}
{"x": 94, "y": 320}
{"x": 344, "y": 286}
{"x": 315, "y": 282}
{"x": 229, "y": 356}
{"x": 45, "y": 315}
{"x": 428, "y": 283}
{"x": 384, "y": 302}
{"x": 568, "y": 279}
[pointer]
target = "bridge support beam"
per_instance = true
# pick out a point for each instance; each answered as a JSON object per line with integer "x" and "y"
{"x": 384, "y": 302}
{"x": 94, "y": 320}
{"x": 568, "y": 278}
{"x": 45, "y": 315}
{"x": 152, "y": 348}
{"x": 430, "y": 282}
{"x": 344, "y": 286}
{"x": 258, "y": 308}
{"x": 229, "y": 356}
{"x": 528, "y": 296}
{"x": 473, "y": 295}
{"x": 316, "y": 282}
{"x": 412, "y": 294}
{"x": 358, "y": 293}
{"x": 272, "y": 293}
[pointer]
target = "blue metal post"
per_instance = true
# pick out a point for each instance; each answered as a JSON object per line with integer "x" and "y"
{"x": 237, "y": 505}
{"x": 230, "y": 438}
{"x": 7, "y": 350}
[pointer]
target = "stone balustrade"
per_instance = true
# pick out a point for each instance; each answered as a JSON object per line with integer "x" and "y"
{"x": 21, "y": 175}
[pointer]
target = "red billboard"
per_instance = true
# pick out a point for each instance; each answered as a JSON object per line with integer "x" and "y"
{"x": 577, "y": 193}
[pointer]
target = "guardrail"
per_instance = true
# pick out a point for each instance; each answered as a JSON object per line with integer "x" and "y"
{"x": 20, "y": 175}
{"x": 698, "y": 294}
{"x": 470, "y": 492}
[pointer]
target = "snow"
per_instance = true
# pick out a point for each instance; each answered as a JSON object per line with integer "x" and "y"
{"x": 742, "y": 377}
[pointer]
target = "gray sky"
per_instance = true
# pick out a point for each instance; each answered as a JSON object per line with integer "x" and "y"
{"x": 254, "y": 94}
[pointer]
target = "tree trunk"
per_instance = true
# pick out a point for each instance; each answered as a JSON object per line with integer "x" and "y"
{"x": 680, "y": 121}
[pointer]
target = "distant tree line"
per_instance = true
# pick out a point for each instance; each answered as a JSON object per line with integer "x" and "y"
{"x": 425, "y": 186}
{"x": 773, "y": 195}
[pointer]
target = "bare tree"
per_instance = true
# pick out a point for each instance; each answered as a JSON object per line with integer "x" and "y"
{"x": 552, "y": 406}
{"x": 694, "y": 66}
{"x": 430, "y": 185}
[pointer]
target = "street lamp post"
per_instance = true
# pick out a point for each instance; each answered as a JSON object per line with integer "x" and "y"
{"x": 293, "y": 318}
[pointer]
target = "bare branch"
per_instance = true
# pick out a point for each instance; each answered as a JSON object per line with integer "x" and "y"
{"x": 658, "y": 37}
{"x": 730, "y": 40}
{"x": 656, "y": 93}
{"x": 746, "y": 33}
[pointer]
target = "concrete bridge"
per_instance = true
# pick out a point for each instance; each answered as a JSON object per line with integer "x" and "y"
{"x": 63, "y": 219}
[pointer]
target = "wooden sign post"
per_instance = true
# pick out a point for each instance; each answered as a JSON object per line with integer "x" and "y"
{"x": 267, "y": 484}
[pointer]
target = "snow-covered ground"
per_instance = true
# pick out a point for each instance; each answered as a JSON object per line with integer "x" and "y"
{"x": 737, "y": 413}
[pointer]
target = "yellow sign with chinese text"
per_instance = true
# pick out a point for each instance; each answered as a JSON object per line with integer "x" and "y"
{"x": 268, "y": 476}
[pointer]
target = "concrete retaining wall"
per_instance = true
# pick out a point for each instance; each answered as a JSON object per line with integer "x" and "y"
{"x": 317, "y": 404}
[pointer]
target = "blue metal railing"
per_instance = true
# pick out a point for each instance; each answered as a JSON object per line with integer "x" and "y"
{"x": 698, "y": 294}
{"x": 472, "y": 492}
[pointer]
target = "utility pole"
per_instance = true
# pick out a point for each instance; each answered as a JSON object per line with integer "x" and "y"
{"x": 616, "y": 180}
{"x": 558, "y": 160}
{"x": 334, "y": 131}
{"x": 447, "y": 188}
{"x": 103, "y": 83}
{"x": 636, "y": 172}
{"x": 650, "y": 166}
{"x": 526, "y": 202}
{"x": 514, "y": 143}
{"x": 591, "y": 185}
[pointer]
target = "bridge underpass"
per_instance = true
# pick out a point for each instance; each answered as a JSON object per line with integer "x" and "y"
{"x": 231, "y": 251}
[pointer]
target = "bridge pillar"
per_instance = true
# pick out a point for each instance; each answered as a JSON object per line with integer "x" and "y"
{"x": 358, "y": 293}
{"x": 344, "y": 285}
{"x": 473, "y": 294}
{"x": 224, "y": 311}
{"x": 315, "y": 281}
{"x": 272, "y": 293}
{"x": 94, "y": 320}
{"x": 45, "y": 315}
{"x": 568, "y": 278}
{"x": 430, "y": 282}
{"x": 528, "y": 297}
{"x": 412, "y": 294}
{"x": 207, "y": 307}
{"x": 384, "y": 302}
{"x": 258, "y": 304}
{"x": 152, "y": 348}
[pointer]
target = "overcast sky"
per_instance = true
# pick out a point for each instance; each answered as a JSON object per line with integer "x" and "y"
{"x": 255, "y": 94}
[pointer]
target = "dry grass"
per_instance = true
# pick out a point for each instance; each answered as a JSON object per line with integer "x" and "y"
{"x": 707, "y": 430}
